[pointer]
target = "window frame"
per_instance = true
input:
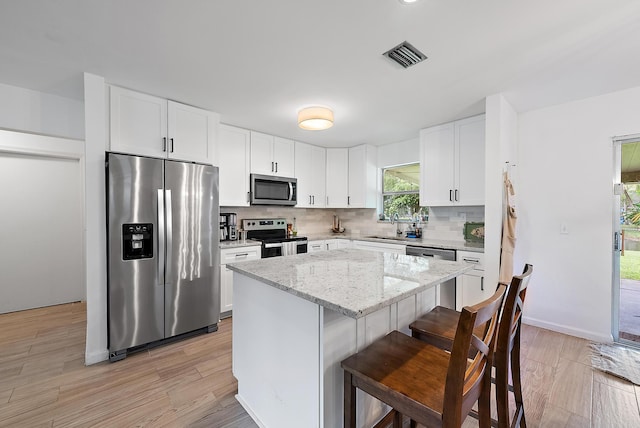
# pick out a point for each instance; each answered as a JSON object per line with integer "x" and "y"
{"x": 397, "y": 193}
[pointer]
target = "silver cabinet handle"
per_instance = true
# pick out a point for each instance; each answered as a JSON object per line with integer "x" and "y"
{"x": 160, "y": 233}
{"x": 348, "y": 200}
{"x": 271, "y": 166}
{"x": 482, "y": 283}
{"x": 309, "y": 199}
{"x": 451, "y": 195}
{"x": 164, "y": 144}
{"x": 242, "y": 255}
{"x": 248, "y": 196}
{"x": 471, "y": 260}
{"x": 276, "y": 166}
{"x": 456, "y": 193}
{"x": 314, "y": 200}
{"x": 171, "y": 145}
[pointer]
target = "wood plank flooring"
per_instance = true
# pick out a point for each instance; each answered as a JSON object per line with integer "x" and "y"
{"x": 44, "y": 383}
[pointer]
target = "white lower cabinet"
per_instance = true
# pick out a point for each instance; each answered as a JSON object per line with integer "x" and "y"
{"x": 380, "y": 247}
{"x": 316, "y": 245}
{"x": 232, "y": 255}
{"x": 471, "y": 287}
{"x": 336, "y": 244}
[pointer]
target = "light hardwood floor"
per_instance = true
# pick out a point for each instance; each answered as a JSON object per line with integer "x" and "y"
{"x": 44, "y": 383}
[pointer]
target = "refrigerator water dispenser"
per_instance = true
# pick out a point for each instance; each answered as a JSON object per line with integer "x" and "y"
{"x": 137, "y": 241}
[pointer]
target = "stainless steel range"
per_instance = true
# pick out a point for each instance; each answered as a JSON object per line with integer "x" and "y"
{"x": 272, "y": 232}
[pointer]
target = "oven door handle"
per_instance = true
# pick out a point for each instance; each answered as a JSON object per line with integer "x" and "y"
{"x": 302, "y": 242}
{"x": 276, "y": 245}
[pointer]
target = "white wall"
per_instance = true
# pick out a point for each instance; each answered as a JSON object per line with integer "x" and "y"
{"x": 31, "y": 111}
{"x": 95, "y": 214}
{"x": 500, "y": 142}
{"x": 565, "y": 175}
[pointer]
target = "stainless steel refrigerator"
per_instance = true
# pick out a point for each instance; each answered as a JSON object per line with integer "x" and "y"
{"x": 163, "y": 267}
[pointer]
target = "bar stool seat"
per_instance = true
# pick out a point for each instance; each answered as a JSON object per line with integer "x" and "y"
{"x": 436, "y": 326}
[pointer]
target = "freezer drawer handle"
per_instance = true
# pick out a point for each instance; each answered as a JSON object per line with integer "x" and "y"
{"x": 161, "y": 235}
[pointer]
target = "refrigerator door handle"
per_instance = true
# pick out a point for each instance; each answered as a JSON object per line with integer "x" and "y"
{"x": 169, "y": 228}
{"x": 161, "y": 236}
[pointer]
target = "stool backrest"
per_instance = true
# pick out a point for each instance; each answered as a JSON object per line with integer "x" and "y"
{"x": 511, "y": 317}
{"x": 465, "y": 379}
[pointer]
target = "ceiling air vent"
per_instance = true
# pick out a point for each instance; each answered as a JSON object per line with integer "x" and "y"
{"x": 405, "y": 55}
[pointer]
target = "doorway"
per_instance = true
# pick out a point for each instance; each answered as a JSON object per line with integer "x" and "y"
{"x": 627, "y": 242}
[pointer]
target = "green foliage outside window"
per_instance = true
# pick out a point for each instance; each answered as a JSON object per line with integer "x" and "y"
{"x": 400, "y": 192}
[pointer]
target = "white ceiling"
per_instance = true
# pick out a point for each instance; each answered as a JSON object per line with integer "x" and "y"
{"x": 257, "y": 62}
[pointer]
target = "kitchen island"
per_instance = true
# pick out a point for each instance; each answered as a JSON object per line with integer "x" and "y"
{"x": 296, "y": 318}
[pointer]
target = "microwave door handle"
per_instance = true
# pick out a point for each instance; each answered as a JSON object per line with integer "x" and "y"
{"x": 290, "y": 191}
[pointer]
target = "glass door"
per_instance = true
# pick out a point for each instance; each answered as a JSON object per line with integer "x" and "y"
{"x": 626, "y": 243}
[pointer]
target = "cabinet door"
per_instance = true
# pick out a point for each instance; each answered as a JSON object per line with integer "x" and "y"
{"x": 262, "y": 153}
{"x": 470, "y": 145}
{"x": 192, "y": 133}
{"x": 318, "y": 176}
{"x": 234, "y": 155}
{"x": 283, "y": 157}
{"x": 437, "y": 159}
{"x": 314, "y": 246}
{"x": 362, "y": 177}
{"x": 337, "y": 178}
{"x": 226, "y": 290}
{"x": 138, "y": 123}
{"x": 304, "y": 174}
{"x": 472, "y": 289}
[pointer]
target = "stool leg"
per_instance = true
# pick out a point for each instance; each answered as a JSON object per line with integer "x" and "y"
{"x": 349, "y": 402}
{"x": 517, "y": 381}
{"x": 502, "y": 391}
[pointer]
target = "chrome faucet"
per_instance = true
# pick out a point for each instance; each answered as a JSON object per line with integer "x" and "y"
{"x": 394, "y": 218}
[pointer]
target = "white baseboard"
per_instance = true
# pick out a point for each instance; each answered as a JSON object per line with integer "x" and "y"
{"x": 249, "y": 411}
{"x": 96, "y": 357}
{"x": 585, "y": 334}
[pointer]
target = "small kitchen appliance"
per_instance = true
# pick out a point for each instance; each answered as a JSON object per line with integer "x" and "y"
{"x": 272, "y": 232}
{"x": 273, "y": 190}
{"x": 228, "y": 226}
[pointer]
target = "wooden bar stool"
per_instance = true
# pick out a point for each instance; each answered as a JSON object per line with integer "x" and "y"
{"x": 437, "y": 328}
{"x": 431, "y": 386}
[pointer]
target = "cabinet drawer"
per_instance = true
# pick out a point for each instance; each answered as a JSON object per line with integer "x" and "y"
{"x": 239, "y": 254}
{"x": 477, "y": 259}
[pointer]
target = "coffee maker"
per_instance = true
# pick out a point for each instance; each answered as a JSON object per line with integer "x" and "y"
{"x": 228, "y": 226}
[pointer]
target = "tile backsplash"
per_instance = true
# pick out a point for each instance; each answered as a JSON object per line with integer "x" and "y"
{"x": 444, "y": 222}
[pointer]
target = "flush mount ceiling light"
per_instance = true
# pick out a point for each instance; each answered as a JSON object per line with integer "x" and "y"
{"x": 408, "y": 1}
{"x": 315, "y": 118}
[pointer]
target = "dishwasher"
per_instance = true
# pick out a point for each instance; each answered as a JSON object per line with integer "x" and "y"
{"x": 447, "y": 290}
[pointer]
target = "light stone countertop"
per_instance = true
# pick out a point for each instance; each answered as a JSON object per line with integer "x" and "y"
{"x": 477, "y": 247}
{"x": 350, "y": 281}
{"x": 238, "y": 244}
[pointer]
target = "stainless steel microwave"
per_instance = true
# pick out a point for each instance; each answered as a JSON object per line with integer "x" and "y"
{"x": 272, "y": 190}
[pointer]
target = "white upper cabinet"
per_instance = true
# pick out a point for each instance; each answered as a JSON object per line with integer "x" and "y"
{"x": 145, "y": 125}
{"x": 272, "y": 155}
{"x": 235, "y": 146}
{"x": 452, "y": 163}
{"x": 310, "y": 169}
{"x": 138, "y": 123}
{"x": 362, "y": 177}
{"x": 337, "y": 178}
{"x": 192, "y": 133}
